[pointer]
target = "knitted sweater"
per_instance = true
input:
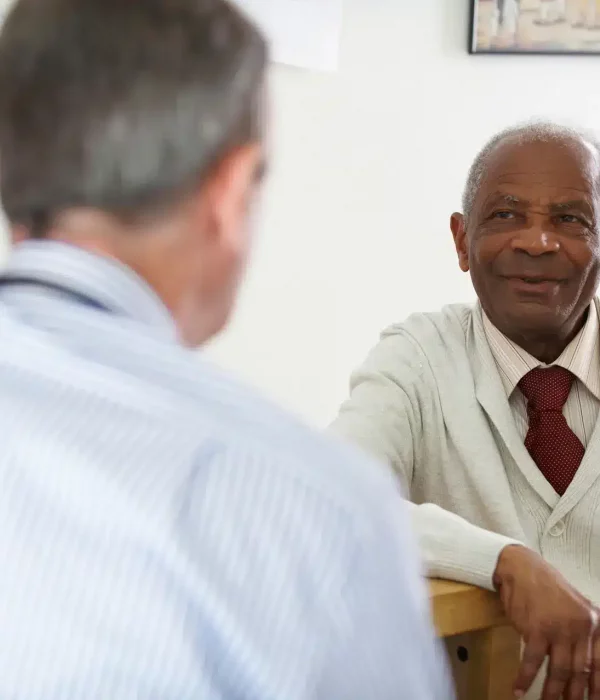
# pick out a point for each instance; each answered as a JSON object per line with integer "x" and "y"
{"x": 429, "y": 401}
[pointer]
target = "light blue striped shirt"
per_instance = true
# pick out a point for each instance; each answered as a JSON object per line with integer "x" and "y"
{"x": 165, "y": 534}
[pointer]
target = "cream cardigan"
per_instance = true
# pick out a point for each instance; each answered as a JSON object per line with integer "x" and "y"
{"x": 430, "y": 402}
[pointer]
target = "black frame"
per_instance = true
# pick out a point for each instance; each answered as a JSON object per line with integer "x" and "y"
{"x": 513, "y": 52}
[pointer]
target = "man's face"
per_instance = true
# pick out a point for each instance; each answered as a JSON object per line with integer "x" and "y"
{"x": 531, "y": 242}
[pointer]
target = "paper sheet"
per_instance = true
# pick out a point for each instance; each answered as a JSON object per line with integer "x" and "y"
{"x": 5, "y": 6}
{"x": 303, "y": 33}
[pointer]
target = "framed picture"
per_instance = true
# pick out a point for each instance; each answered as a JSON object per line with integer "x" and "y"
{"x": 535, "y": 26}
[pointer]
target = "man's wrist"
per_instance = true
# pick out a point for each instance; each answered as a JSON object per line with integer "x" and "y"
{"x": 505, "y": 566}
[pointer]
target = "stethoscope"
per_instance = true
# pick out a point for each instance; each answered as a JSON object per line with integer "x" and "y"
{"x": 24, "y": 281}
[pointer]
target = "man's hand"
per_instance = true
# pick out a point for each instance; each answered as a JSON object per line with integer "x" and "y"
{"x": 555, "y": 621}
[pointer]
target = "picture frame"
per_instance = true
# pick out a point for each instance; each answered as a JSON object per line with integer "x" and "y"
{"x": 535, "y": 27}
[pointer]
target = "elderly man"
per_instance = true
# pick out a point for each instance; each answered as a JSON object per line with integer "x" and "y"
{"x": 488, "y": 413}
{"x": 164, "y": 532}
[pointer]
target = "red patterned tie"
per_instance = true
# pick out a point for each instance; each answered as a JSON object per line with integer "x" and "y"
{"x": 553, "y": 446}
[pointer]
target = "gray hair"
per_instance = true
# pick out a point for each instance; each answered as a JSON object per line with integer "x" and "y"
{"x": 522, "y": 133}
{"x": 119, "y": 105}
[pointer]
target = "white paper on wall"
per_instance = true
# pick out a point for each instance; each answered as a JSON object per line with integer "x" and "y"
{"x": 304, "y": 33}
{"x": 5, "y": 6}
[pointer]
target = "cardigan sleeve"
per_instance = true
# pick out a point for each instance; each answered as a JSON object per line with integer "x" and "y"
{"x": 383, "y": 417}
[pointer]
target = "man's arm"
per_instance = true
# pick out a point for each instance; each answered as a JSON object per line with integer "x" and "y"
{"x": 382, "y": 417}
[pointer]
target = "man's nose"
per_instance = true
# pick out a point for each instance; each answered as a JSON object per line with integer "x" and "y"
{"x": 535, "y": 240}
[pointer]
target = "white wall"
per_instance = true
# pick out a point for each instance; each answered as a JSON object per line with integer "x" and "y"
{"x": 368, "y": 165}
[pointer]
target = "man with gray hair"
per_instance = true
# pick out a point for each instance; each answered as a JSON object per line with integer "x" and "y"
{"x": 165, "y": 533}
{"x": 489, "y": 413}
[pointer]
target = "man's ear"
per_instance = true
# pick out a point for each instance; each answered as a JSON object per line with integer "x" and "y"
{"x": 459, "y": 233}
{"x": 229, "y": 192}
{"x": 18, "y": 234}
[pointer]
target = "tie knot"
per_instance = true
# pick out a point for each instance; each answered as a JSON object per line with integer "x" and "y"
{"x": 547, "y": 389}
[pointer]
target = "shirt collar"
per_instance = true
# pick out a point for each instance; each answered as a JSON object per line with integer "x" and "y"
{"x": 105, "y": 280}
{"x": 581, "y": 356}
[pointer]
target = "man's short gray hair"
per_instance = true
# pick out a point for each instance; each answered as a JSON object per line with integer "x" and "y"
{"x": 522, "y": 133}
{"x": 123, "y": 106}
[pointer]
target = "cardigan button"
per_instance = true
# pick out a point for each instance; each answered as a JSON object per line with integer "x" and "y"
{"x": 558, "y": 529}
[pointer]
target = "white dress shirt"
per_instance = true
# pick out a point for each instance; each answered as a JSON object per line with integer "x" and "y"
{"x": 165, "y": 534}
{"x": 581, "y": 357}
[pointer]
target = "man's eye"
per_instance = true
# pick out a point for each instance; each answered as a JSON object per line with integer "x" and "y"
{"x": 503, "y": 215}
{"x": 570, "y": 219}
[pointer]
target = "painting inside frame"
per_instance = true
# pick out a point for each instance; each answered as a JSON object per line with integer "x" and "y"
{"x": 535, "y": 26}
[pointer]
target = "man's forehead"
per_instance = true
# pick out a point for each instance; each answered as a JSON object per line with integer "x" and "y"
{"x": 554, "y": 199}
{"x": 557, "y": 165}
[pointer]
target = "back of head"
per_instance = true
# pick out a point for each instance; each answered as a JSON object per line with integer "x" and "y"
{"x": 122, "y": 115}
{"x": 119, "y": 105}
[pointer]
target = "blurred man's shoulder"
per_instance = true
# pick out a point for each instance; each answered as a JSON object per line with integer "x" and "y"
{"x": 250, "y": 423}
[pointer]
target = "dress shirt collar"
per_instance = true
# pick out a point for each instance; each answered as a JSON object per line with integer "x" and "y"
{"x": 581, "y": 356}
{"x": 104, "y": 280}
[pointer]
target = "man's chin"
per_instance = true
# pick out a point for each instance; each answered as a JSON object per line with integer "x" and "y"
{"x": 531, "y": 316}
